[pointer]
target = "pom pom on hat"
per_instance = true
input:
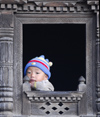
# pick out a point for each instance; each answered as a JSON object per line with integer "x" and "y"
{"x": 50, "y": 63}
{"x": 41, "y": 63}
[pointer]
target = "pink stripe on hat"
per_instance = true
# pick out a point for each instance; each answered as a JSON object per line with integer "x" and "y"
{"x": 39, "y": 62}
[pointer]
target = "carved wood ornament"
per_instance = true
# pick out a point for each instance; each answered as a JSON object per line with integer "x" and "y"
{"x": 15, "y": 13}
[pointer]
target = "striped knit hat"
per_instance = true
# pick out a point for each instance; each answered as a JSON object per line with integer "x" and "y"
{"x": 41, "y": 63}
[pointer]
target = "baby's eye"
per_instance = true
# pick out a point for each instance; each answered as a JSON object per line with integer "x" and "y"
{"x": 28, "y": 72}
{"x": 37, "y": 72}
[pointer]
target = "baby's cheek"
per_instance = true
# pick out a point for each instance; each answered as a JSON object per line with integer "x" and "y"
{"x": 28, "y": 75}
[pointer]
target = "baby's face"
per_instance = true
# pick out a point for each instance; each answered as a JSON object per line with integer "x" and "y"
{"x": 36, "y": 74}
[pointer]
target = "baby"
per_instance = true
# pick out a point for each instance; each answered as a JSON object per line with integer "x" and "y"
{"x": 38, "y": 72}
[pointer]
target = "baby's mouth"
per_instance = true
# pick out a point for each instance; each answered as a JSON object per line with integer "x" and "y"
{"x": 32, "y": 80}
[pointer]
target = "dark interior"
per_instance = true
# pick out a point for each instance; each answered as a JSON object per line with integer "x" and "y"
{"x": 64, "y": 45}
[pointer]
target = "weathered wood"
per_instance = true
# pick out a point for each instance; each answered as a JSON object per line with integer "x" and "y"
{"x": 52, "y": 103}
{"x": 15, "y": 13}
{"x": 6, "y": 63}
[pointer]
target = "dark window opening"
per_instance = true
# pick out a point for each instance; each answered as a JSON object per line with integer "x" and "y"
{"x": 64, "y": 45}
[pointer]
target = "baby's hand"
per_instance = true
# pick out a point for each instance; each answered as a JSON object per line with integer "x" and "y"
{"x": 33, "y": 83}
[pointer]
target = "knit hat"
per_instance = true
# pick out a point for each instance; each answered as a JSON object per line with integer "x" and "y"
{"x": 41, "y": 63}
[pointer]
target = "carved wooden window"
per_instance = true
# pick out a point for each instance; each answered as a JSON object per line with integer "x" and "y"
{"x": 64, "y": 45}
{"x": 13, "y": 15}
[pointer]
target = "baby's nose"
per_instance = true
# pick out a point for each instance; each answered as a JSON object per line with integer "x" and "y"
{"x": 33, "y": 75}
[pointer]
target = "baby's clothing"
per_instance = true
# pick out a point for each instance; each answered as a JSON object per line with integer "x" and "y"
{"x": 43, "y": 66}
{"x": 44, "y": 85}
